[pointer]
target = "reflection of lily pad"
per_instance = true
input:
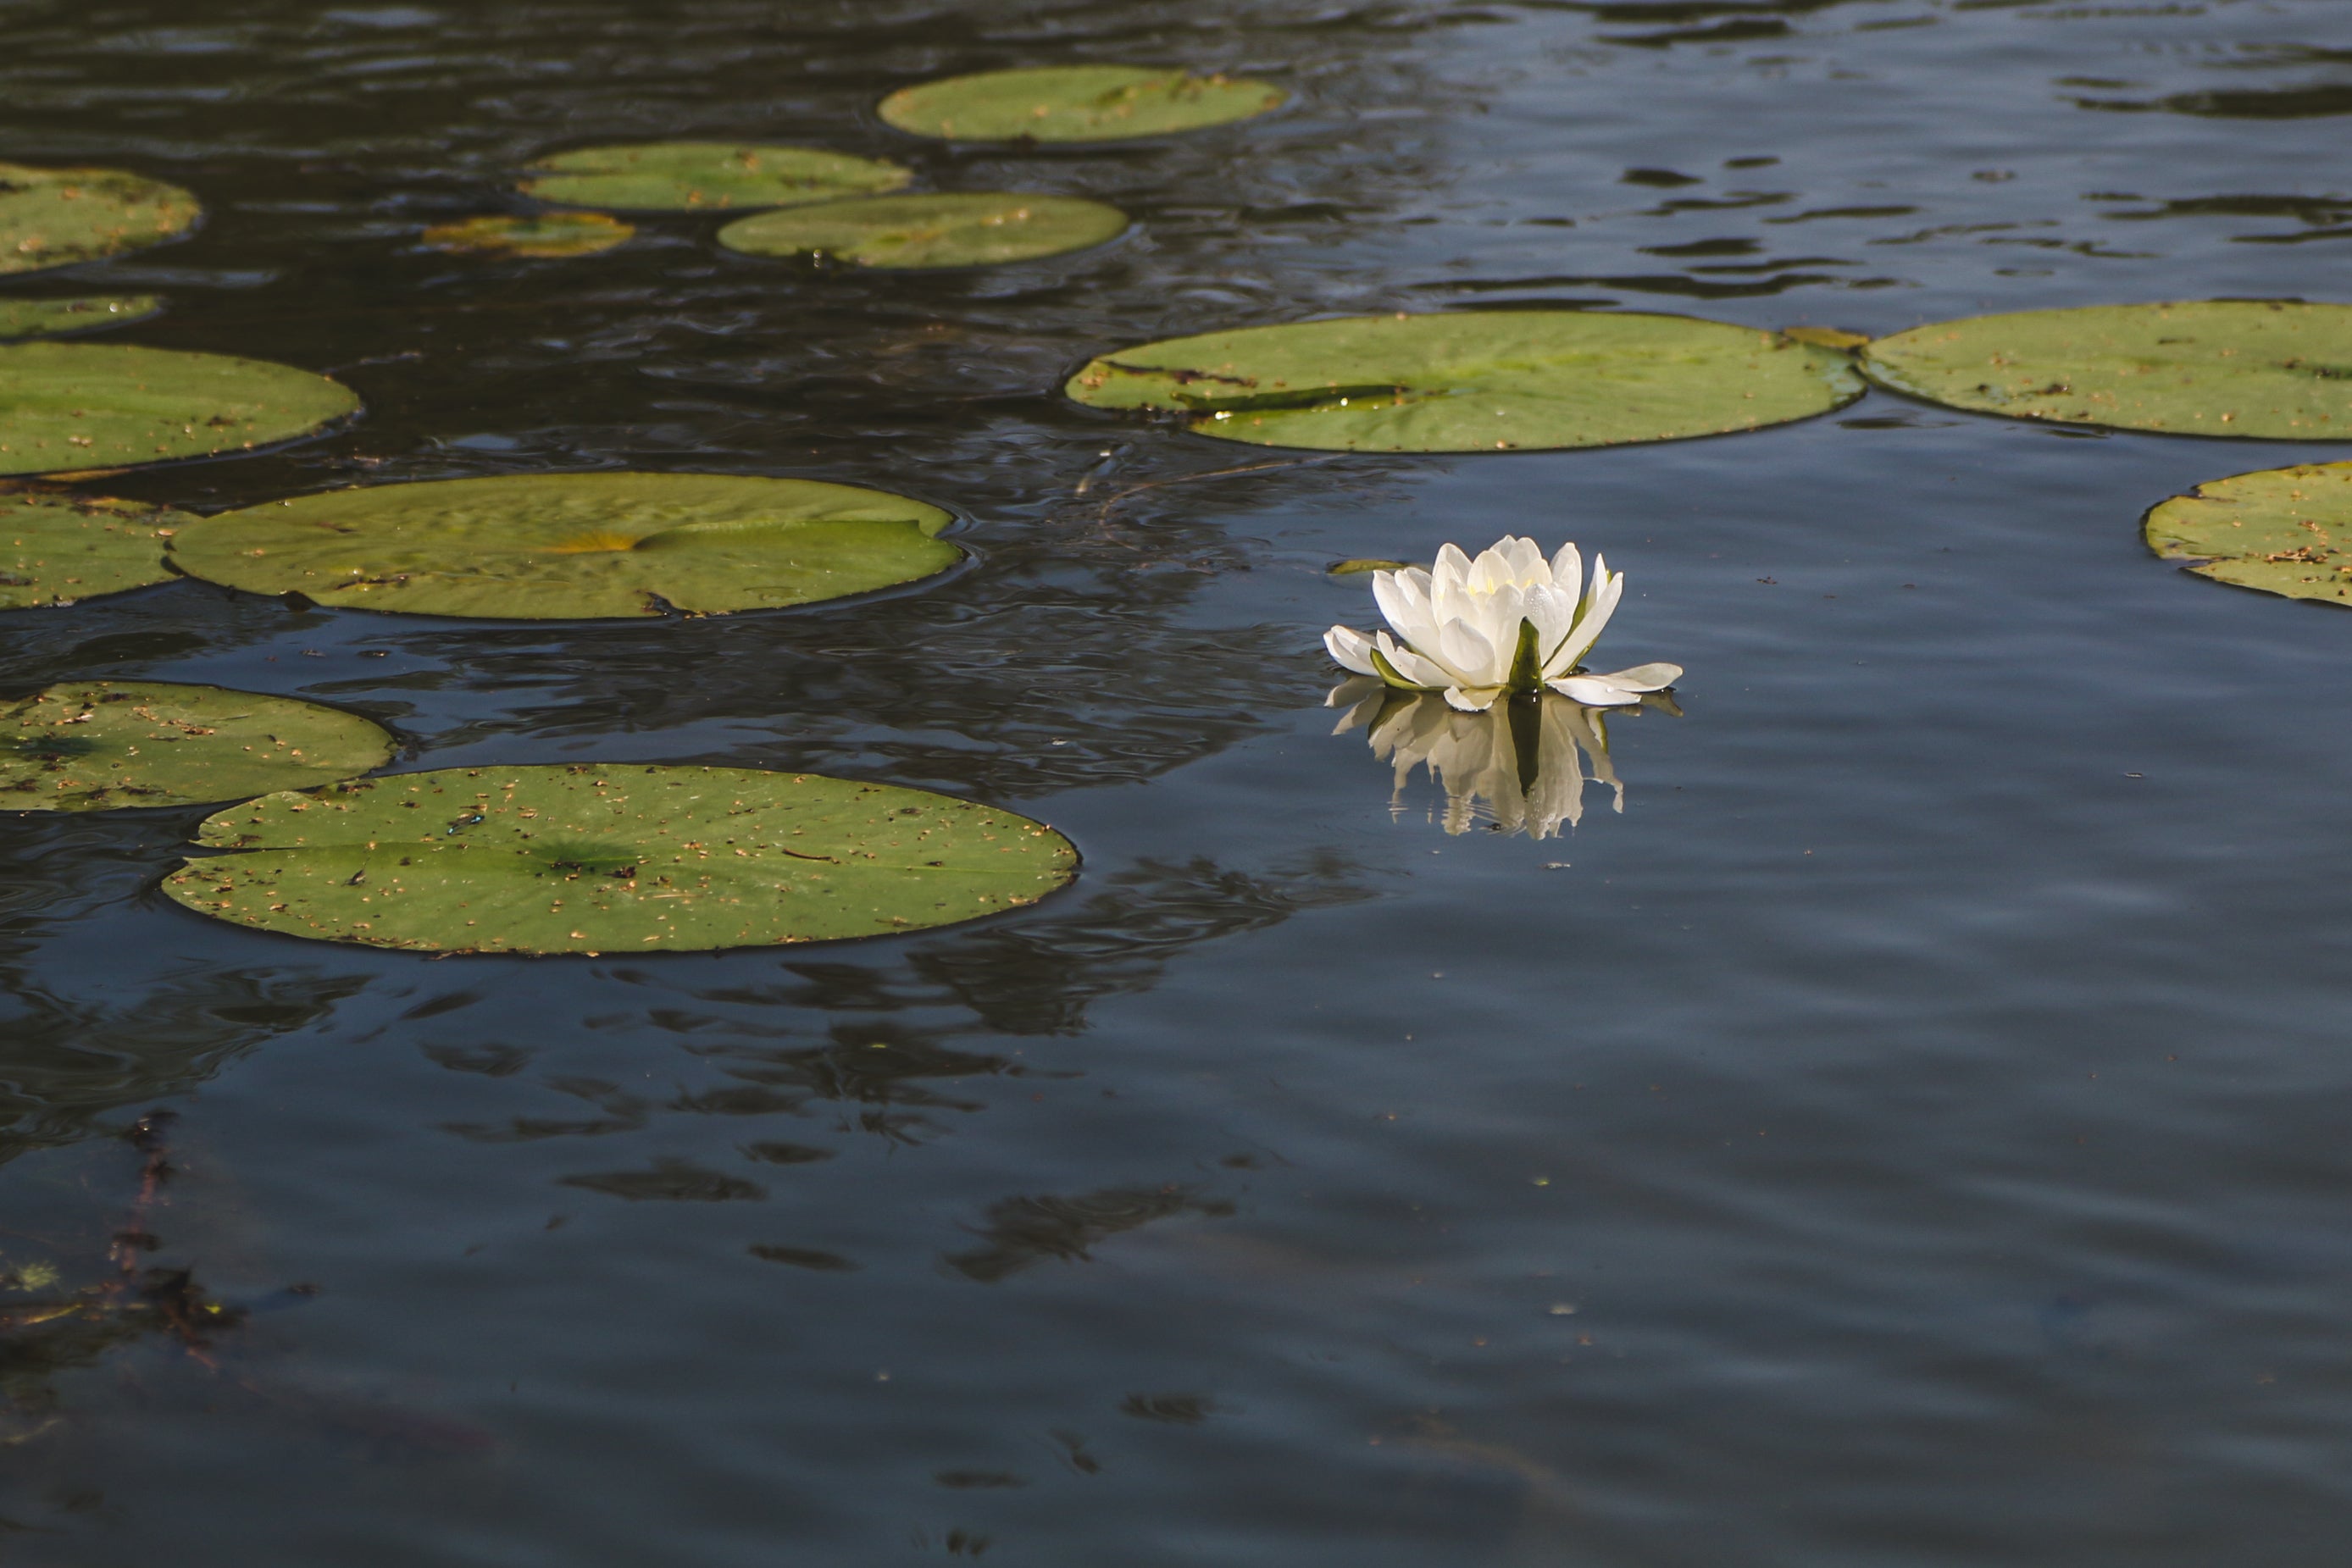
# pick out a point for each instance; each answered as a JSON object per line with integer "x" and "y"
{"x": 1075, "y": 103}
{"x": 965, "y": 229}
{"x": 55, "y": 217}
{"x": 56, "y": 549}
{"x": 67, "y": 406}
{"x": 574, "y": 546}
{"x": 1477, "y": 381}
{"x": 2262, "y": 369}
{"x": 82, "y": 313}
{"x": 681, "y": 176}
{"x": 618, "y": 858}
{"x": 2283, "y": 531}
{"x": 97, "y": 744}
{"x": 542, "y": 234}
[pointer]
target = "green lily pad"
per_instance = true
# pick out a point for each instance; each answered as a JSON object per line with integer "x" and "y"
{"x": 57, "y": 549}
{"x": 542, "y": 234}
{"x": 684, "y": 176}
{"x": 1475, "y": 381}
{"x": 2283, "y": 530}
{"x": 618, "y": 858}
{"x": 55, "y": 217}
{"x": 1075, "y": 103}
{"x": 2267, "y": 370}
{"x": 964, "y": 229}
{"x": 67, "y": 406}
{"x": 549, "y": 547}
{"x": 96, "y": 746}
{"x": 82, "y": 313}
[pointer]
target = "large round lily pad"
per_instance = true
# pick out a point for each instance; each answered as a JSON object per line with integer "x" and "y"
{"x": 962, "y": 229}
{"x": 66, "y": 406}
{"x": 80, "y": 313}
{"x": 542, "y": 234}
{"x": 2283, "y": 531}
{"x": 2270, "y": 370}
{"x": 56, "y": 549}
{"x": 1475, "y": 381}
{"x": 95, "y": 746}
{"x": 1075, "y": 103}
{"x": 574, "y": 546}
{"x": 55, "y": 217}
{"x": 682, "y": 176}
{"x": 619, "y": 858}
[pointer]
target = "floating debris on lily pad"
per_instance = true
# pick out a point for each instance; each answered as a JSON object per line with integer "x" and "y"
{"x": 2283, "y": 530}
{"x": 60, "y": 548}
{"x": 1475, "y": 381}
{"x": 55, "y": 217}
{"x": 688, "y": 176}
{"x": 1357, "y": 566}
{"x": 619, "y": 858}
{"x": 1075, "y": 103}
{"x": 82, "y": 313}
{"x": 962, "y": 229}
{"x": 542, "y": 234}
{"x": 96, "y": 746}
{"x": 561, "y": 547}
{"x": 66, "y": 407}
{"x": 2267, "y": 370}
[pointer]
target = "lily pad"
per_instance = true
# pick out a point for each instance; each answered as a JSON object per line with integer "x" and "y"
{"x": 542, "y": 234}
{"x": 546, "y": 546}
{"x": 2267, "y": 370}
{"x": 67, "y": 406}
{"x": 55, "y": 217}
{"x": 619, "y": 858}
{"x": 57, "y": 549}
{"x": 2283, "y": 530}
{"x": 82, "y": 313}
{"x": 1475, "y": 381}
{"x": 964, "y": 229}
{"x": 685, "y": 176}
{"x": 1075, "y": 103}
{"x": 96, "y": 746}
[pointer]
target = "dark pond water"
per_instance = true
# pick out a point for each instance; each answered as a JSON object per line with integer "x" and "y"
{"x": 1910, "y": 1133}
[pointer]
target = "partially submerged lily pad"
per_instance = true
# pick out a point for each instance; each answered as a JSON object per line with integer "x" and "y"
{"x": 685, "y": 176}
{"x": 55, "y": 217}
{"x": 96, "y": 746}
{"x": 961, "y": 229}
{"x": 542, "y": 234}
{"x": 2283, "y": 530}
{"x": 2268, "y": 370}
{"x": 70, "y": 406}
{"x": 57, "y": 549}
{"x": 1075, "y": 103}
{"x": 1475, "y": 381}
{"x": 618, "y": 858}
{"x": 574, "y": 546}
{"x": 81, "y": 313}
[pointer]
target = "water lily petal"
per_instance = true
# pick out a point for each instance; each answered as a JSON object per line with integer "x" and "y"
{"x": 1643, "y": 677}
{"x": 1412, "y": 668}
{"x": 1592, "y": 692}
{"x": 1599, "y": 605}
{"x": 1475, "y": 699}
{"x": 1568, "y": 571}
{"x": 1351, "y": 650}
{"x": 1403, "y": 599}
{"x": 1471, "y": 657}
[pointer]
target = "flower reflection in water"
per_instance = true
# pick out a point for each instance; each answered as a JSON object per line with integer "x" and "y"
{"x": 1519, "y": 766}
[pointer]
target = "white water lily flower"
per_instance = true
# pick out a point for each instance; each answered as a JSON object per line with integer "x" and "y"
{"x": 1507, "y": 622}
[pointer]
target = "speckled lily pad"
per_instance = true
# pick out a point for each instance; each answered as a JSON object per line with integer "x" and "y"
{"x": 542, "y": 234}
{"x": 22, "y": 319}
{"x": 55, "y": 217}
{"x": 574, "y": 546}
{"x": 619, "y": 858}
{"x": 1475, "y": 381}
{"x": 962, "y": 229}
{"x": 58, "y": 549}
{"x": 97, "y": 746}
{"x": 1075, "y": 103}
{"x": 686, "y": 176}
{"x": 2283, "y": 530}
{"x": 70, "y": 406}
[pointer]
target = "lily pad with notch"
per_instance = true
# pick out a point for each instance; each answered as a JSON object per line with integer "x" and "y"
{"x": 65, "y": 407}
{"x": 562, "y": 546}
{"x": 693, "y": 176}
{"x": 954, "y": 229}
{"x": 60, "y": 548}
{"x": 622, "y": 858}
{"x": 95, "y": 746}
{"x": 2251, "y": 369}
{"x": 538, "y": 235}
{"x": 2283, "y": 530}
{"x": 1075, "y": 103}
{"x": 22, "y": 319}
{"x": 55, "y": 217}
{"x": 1475, "y": 380}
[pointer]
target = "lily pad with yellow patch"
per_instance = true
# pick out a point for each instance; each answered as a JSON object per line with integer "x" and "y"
{"x": 540, "y": 234}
